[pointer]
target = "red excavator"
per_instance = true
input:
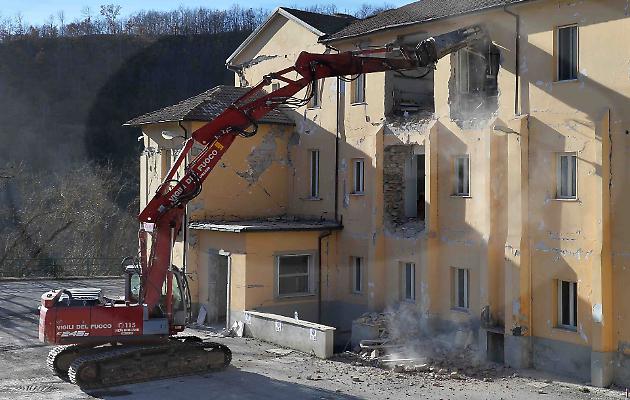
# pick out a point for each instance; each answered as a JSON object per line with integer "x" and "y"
{"x": 106, "y": 342}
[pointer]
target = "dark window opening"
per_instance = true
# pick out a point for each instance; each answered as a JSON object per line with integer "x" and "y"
{"x": 567, "y": 53}
{"x": 567, "y": 304}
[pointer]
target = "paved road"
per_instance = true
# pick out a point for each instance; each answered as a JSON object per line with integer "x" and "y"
{"x": 23, "y": 374}
{"x": 254, "y": 372}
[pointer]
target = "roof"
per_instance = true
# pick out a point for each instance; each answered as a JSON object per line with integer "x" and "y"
{"x": 265, "y": 225}
{"x": 419, "y": 11}
{"x": 205, "y": 107}
{"x": 325, "y": 23}
{"x": 318, "y": 24}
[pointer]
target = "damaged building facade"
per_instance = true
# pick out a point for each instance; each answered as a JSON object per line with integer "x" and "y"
{"x": 483, "y": 196}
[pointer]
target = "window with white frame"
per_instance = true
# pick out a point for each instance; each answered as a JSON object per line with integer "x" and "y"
{"x": 462, "y": 176}
{"x": 358, "y": 89}
{"x": 567, "y": 52}
{"x": 314, "y": 169}
{"x": 316, "y": 99}
{"x": 294, "y": 274}
{"x": 461, "y": 288}
{"x": 567, "y": 176}
{"x": 567, "y": 304}
{"x": 357, "y": 274}
{"x": 358, "y": 173}
{"x": 409, "y": 281}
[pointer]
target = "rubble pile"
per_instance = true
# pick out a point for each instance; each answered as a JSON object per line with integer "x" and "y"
{"x": 452, "y": 357}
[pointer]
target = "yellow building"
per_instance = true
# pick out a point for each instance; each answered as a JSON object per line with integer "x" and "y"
{"x": 483, "y": 196}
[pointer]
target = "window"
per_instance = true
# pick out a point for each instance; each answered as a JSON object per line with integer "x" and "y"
{"x": 314, "y": 165}
{"x": 275, "y": 86}
{"x": 463, "y": 71}
{"x": 461, "y": 286}
{"x": 567, "y": 176}
{"x": 294, "y": 275}
{"x": 414, "y": 187}
{"x": 358, "y": 89}
{"x": 315, "y": 100}
{"x": 357, "y": 274}
{"x": 358, "y": 183}
{"x": 567, "y": 304}
{"x": 409, "y": 281}
{"x": 567, "y": 52}
{"x": 462, "y": 176}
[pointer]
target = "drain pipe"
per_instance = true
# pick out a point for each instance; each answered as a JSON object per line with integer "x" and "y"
{"x": 337, "y": 151}
{"x": 319, "y": 273}
{"x": 185, "y": 227}
{"x": 517, "y": 41}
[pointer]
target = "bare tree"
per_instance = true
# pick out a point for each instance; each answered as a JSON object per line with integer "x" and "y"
{"x": 61, "y": 17}
{"x": 111, "y": 12}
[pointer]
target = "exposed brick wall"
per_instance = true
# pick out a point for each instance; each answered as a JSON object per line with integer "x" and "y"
{"x": 394, "y": 183}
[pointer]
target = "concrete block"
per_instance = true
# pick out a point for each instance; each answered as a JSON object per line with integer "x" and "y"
{"x": 518, "y": 351}
{"x": 602, "y": 368}
{"x": 301, "y": 335}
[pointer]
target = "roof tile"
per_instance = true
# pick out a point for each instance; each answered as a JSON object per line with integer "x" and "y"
{"x": 419, "y": 11}
{"x": 205, "y": 107}
{"x": 322, "y": 22}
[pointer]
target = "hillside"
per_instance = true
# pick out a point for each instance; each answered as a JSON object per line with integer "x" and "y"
{"x": 63, "y": 102}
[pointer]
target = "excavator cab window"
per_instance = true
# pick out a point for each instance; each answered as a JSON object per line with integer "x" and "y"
{"x": 178, "y": 298}
{"x": 132, "y": 284}
{"x": 135, "y": 286}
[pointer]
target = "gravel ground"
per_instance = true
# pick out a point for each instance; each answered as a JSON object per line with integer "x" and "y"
{"x": 257, "y": 373}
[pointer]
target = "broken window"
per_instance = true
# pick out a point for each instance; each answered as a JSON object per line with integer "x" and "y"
{"x": 567, "y": 304}
{"x": 357, "y": 274}
{"x": 462, "y": 176}
{"x": 403, "y": 188}
{"x": 567, "y": 176}
{"x": 294, "y": 275}
{"x": 413, "y": 92}
{"x": 414, "y": 187}
{"x": 358, "y": 89}
{"x": 567, "y": 52}
{"x": 409, "y": 281}
{"x": 474, "y": 89}
{"x": 314, "y": 167}
{"x": 358, "y": 181}
{"x": 315, "y": 100}
{"x": 460, "y": 288}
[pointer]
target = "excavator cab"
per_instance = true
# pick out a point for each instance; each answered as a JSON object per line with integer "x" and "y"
{"x": 180, "y": 299}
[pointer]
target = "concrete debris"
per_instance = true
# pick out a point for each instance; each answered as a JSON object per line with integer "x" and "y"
{"x": 399, "y": 347}
{"x": 236, "y": 330}
{"x": 280, "y": 352}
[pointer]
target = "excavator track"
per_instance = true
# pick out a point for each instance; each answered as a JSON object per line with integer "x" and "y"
{"x": 131, "y": 364}
{"x": 60, "y": 357}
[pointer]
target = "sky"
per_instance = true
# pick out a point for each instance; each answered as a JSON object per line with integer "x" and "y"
{"x": 38, "y": 11}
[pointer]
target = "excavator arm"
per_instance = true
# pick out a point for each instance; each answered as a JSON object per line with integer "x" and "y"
{"x": 163, "y": 215}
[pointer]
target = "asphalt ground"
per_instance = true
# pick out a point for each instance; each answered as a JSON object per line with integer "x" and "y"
{"x": 254, "y": 373}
